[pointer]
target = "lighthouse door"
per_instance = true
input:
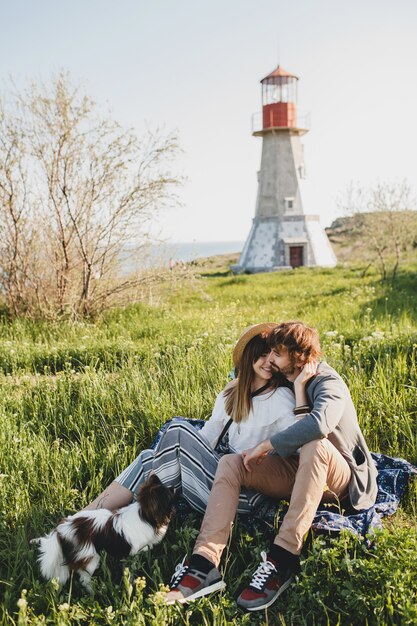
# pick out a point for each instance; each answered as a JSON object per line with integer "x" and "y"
{"x": 296, "y": 256}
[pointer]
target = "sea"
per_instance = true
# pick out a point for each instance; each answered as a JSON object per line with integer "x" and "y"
{"x": 169, "y": 253}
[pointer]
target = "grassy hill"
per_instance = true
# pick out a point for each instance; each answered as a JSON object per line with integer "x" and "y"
{"x": 78, "y": 400}
{"x": 345, "y": 238}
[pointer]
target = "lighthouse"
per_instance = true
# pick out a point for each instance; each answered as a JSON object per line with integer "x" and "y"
{"x": 283, "y": 235}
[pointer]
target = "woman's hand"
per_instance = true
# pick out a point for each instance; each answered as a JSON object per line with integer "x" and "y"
{"x": 256, "y": 454}
{"x": 308, "y": 371}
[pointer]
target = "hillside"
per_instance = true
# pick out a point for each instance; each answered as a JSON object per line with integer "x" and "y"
{"x": 79, "y": 400}
{"x": 346, "y": 239}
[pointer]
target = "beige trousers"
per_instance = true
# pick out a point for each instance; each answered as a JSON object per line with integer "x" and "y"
{"x": 318, "y": 473}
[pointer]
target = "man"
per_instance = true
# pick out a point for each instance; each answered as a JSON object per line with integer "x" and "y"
{"x": 322, "y": 456}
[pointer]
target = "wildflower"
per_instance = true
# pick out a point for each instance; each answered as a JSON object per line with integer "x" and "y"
{"x": 64, "y": 606}
{"x": 140, "y": 583}
{"x": 378, "y": 334}
{"x": 159, "y": 596}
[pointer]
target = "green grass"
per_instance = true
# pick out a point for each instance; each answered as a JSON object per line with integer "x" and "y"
{"x": 78, "y": 401}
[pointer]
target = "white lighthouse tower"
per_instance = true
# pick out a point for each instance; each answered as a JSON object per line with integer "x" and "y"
{"x": 283, "y": 235}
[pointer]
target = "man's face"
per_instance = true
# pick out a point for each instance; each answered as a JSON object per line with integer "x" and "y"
{"x": 280, "y": 361}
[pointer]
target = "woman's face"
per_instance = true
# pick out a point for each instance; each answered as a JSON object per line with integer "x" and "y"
{"x": 262, "y": 367}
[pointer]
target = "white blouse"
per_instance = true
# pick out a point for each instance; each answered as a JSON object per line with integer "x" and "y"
{"x": 271, "y": 412}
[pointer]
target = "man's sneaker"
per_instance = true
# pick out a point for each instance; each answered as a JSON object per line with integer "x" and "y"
{"x": 188, "y": 583}
{"x": 268, "y": 582}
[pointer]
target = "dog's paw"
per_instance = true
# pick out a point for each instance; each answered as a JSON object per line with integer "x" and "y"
{"x": 85, "y": 580}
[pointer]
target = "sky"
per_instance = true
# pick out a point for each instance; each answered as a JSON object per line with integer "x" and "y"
{"x": 194, "y": 66}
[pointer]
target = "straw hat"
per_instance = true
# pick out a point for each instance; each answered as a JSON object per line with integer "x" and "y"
{"x": 248, "y": 334}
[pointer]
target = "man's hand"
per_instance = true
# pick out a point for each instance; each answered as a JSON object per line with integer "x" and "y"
{"x": 256, "y": 454}
{"x": 308, "y": 371}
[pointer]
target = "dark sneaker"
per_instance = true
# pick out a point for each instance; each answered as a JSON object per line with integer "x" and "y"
{"x": 188, "y": 583}
{"x": 268, "y": 582}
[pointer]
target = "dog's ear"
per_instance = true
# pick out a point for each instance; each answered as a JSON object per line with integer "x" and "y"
{"x": 156, "y": 502}
{"x": 153, "y": 481}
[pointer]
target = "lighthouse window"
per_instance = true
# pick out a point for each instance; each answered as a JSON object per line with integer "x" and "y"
{"x": 279, "y": 89}
{"x": 289, "y": 204}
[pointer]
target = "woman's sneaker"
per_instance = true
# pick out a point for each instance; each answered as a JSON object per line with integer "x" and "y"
{"x": 268, "y": 582}
{"x": 188, "y": 583}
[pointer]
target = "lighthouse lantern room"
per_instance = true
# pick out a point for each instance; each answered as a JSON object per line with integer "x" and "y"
{"x": 279, "y": 98}
{"x": 283, "y": 235}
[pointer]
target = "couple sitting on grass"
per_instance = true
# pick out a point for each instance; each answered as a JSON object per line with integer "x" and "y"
{"x": 293, "y": 435}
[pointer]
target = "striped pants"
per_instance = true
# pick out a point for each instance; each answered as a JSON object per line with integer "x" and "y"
{"x": 185, "y": 461}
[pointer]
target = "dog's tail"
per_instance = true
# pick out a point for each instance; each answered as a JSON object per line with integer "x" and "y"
{"x": 51, "y": 558}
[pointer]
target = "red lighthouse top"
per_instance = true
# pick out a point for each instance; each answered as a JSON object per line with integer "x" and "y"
{"x": 279, "y": 71}
{"x": 279, "y": 99}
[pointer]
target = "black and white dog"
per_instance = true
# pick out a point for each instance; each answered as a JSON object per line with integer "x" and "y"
{"x": 75, "y": 543}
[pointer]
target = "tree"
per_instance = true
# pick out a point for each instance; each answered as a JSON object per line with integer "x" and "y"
{"x": 75, "y": 190}
{"x": 17, "y": 236}
{"x": 382, "y": 224}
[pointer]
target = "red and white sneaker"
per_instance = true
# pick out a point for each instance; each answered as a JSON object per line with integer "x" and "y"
{"x": 188, "y": 583}
{"x": 267, "y": 584}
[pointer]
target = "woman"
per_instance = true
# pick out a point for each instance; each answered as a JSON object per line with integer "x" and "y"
{"x": 254, "y": 404}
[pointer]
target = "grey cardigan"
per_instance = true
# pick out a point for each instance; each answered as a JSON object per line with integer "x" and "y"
{"x": 333, "y": 416}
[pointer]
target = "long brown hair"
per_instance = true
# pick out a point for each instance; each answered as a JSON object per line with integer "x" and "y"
{"x": 238, "y": 397}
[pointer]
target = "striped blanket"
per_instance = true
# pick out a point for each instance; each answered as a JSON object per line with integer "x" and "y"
{"x": 394, "y": 475}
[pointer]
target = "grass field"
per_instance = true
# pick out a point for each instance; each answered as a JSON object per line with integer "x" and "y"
{"x": 78, "y": 400}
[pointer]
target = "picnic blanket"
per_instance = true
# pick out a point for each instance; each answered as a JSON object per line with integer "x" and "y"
{"x": 393, "y": 477}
